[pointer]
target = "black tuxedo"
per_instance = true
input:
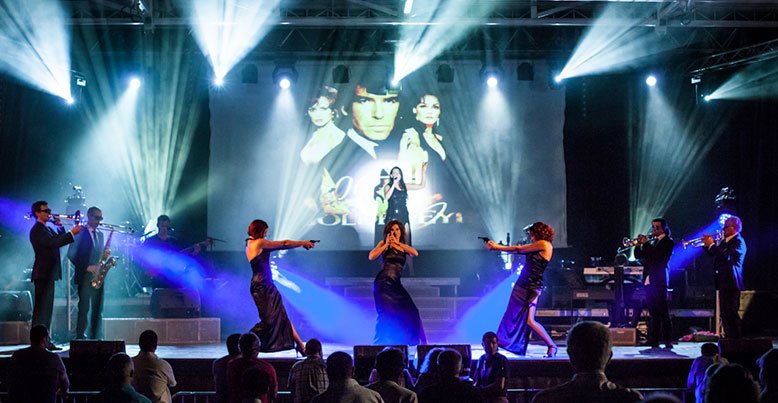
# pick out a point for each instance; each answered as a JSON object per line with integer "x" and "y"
{"x": 84, "y": 252}
{"x": 47, "y": 269}
{"x": 728, "y": 266}
{"x": 654, "y": 256}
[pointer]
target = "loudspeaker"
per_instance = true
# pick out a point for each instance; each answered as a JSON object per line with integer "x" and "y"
{"x": 464, "y": 350}
{"x": 15, "y": 306}
{"x": 758, "y": 312}
{"x": 88, "y": 358}
{"x": 744, "y": 351}
{"x": 364, "y": 360}
{"x": 623, "y": 336}
{"x": 175, "y": 303}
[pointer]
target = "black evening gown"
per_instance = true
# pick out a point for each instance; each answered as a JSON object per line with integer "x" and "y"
{"x": 274, "y": 328}
{"x": 397, "y": 209}
{"x": 513, "y": 332}
{"x": 398, "y": 317}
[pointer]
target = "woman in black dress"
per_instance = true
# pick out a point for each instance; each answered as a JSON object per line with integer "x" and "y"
{"x": 396, "y": 196}
{"x": 274, "y": 329}
{"x": 519, "y": 318}
{"x": 398, "y": 317}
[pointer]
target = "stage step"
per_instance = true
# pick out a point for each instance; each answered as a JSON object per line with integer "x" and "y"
{"x": 170, "y": 331}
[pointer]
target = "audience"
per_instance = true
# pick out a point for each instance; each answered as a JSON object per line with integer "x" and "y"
{"x": 343, "y": 387}
{"x": 696, "y": 379}
{"x": 449, "y": 388}
{"x": 428, "y": 373}
{"x": 491, "y": 372}
{"x": 254, "y": 384}
{"x": 768, "y": 376}
{"x": 118, "y": 377}
{"x": 153, "y": 375}
{"x": 220, "y": 368}
{"x": 731, "y": 383}
{"x": 308, "y": 377}
{"x": 248, "y": 358}
{"x": 662, "y": 398}
{"x": 34, "y": 373}
{"x": 390, "y": 369}
{"x": 589, "y": 349}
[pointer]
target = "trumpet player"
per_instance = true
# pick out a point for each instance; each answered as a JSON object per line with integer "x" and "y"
{"x": 85, "y": 254}
{"x": 47, "y": 268}
{"x": 728, "y": 258}
{"x": 654, "y": 255}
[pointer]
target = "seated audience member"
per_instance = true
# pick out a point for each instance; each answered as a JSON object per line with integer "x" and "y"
{"x": 662, "y": 398}
{"x": 589, "y": 349}
{"x": 731, "y": 383}
{"x": 390, "y": 368}
{"x": 491, "y": 372}
{"x": 220, "y": 368}
{"x": 308, "y": 377}
{"x": 343, "y": 387}
{"x": 153, "y": 375}
{"x": 768, "y": 376}
{"x": 248, "y": 358}
{"x": 428, "y": 373}
{"x": 118, "y": 382}
{"x": 449, "y": 388}
{"x": 34, "y": 373}
{"x": 254, "y": 384}
{"x": 696, "y": 379}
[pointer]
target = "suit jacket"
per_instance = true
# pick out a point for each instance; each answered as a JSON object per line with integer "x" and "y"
{"x": 728, "y": 263}
{"x": 655, "y": 255}
{"x": 46, "y": 243}
{"x": 84, "y": 252}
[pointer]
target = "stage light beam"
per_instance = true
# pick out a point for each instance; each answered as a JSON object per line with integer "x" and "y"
{"x": 651, "y": 80}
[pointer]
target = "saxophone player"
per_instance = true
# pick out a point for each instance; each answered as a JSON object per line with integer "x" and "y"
{"x": 85, "y": 254}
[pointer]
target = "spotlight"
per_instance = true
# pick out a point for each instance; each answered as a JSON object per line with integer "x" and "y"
{"x": 651, "y": 80}
{"x": 445, "y": 73}
{"x": 706, "y": 98}
{"x": 249, "y": 74}
{"x": 135, "y": 83}
{"x": 491, "y": 75}
{"x": 70, "y": 100}
{"x": 340, "y": 74}
{"x": 408, "y": 7}
{"x": 394, "y": 85}
{"x": 492, "y": 81}
{"x": 525, "y": 72}
{"x": 284, "y": 75}
{"x": 558, "y": 78}
{"x": 218, "y": 81}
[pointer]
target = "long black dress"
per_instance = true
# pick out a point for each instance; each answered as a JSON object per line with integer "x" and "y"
{"x": 513, "y": 332}
{"x": 397, "y": 209}
{"x": 398, "y": 317}
{"x": 274, "y": 328}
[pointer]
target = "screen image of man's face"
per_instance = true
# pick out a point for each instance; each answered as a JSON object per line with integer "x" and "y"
{"x": 374, "y": 115}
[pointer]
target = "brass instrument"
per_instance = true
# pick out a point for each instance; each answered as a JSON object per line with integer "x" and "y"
{"x": 628, "y": 243}
{"x": 105, "y": 264}
{"x": 698, "y": 241}
{"x": 119, "y": 229}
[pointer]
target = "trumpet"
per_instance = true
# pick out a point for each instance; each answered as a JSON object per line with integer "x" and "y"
{"x": 698, "y": 241}
{"x": 628, "y": 243}
{"x": 76, "y": 217}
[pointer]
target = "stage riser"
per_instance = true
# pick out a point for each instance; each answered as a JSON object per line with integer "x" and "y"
{"x": 170, "y": 331}
{"x": 14, "y": 333}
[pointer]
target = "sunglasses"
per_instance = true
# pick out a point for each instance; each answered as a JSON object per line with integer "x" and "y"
{"x": 48, "y": 211}
{"x": 98, "y": 217}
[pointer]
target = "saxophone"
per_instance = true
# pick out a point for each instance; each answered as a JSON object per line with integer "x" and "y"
{"x": 105, "y": 264}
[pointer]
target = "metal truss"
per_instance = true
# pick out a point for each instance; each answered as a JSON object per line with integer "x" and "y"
{"x": 736, "y": 57}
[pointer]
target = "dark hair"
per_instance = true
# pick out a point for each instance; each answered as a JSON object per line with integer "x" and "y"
{"x": 388, "y": 228}
{"x": 118, "y": 369}
{"x": 148, "y": 340}
{"x": 489, "y": 335}
{"x": 339, "y": 366}
{"x": 402, "y": 178}
{"x": 248, "y": 344}
{"x": 541, "y": 231}
{"x": 768, "y": 364}
{"x": 232, "y": 344}
{"x": 162, "y": 219}
{"x": 36, "y": 207}
{"x": 709, "y": 349}
{"x": 430, "y": 363}
{"x": 449, "y": 363}
{"x": 389, "y": 364}
{"x": 256, "y": 228}
{"x": 589, "y": 346}
{"x": 731, "y": 383}
{"x": 664, "y": 225}
{"x": 313, "y": 346}
{"x": 254, "y": 382}
{"x": 92, "y": 210}
{"x": 662, "y": 398}
{"x": 326, "y": 92}
{"x": 38, "y": 333}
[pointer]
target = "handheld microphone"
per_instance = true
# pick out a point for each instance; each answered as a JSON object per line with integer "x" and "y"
{"x": 315, "y": 240}
{"x": 485, "y": 239}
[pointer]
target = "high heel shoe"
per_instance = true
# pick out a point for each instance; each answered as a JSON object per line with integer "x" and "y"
{"x": 299, "y": 349}
{"x": 551, "y": 353}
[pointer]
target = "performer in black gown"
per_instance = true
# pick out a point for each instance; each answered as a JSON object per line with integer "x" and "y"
{"x": 396, "y": 196}
{"x": 275, "y": 330}
{"x": 519, "y": 318}
{"x": 398, "y": 317}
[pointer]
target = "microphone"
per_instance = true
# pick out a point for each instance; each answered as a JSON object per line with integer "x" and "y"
{"x": 485, "y": 239}
{"x": 315, "y": 240}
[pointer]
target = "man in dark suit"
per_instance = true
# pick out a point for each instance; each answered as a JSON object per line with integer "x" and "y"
{"x": 728, "y": 258}
{"x": 47, "y": 268}
{"x": 654, "y": 255}
{"x": 85, "y": 254}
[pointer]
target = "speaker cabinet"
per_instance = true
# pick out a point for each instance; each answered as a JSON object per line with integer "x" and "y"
{"x": 364, "y": 360}
{"x": 623, "y": 336}
{"x": 15, "y": 306}
{"x": 175, "y": 303}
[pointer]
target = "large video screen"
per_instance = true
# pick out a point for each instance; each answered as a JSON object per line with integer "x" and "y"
{"x": 335, "y": 162}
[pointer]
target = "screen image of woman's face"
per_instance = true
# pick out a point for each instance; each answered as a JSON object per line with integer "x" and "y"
{"x": 320, "y": 112}
{"x": 396, "y": 174}
{"x": 428, "y": 110}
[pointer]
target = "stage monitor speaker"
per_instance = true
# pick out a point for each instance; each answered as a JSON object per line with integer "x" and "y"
{"x": 88, "y": 358}
{"x": 175, "y": 303}
{"x": 744, "y": 351}
{"x": 364, "y": 360}
{"x": 464, "y": 350}
{"x": 15, "y": 306}
{"x": 623, "y": 336}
